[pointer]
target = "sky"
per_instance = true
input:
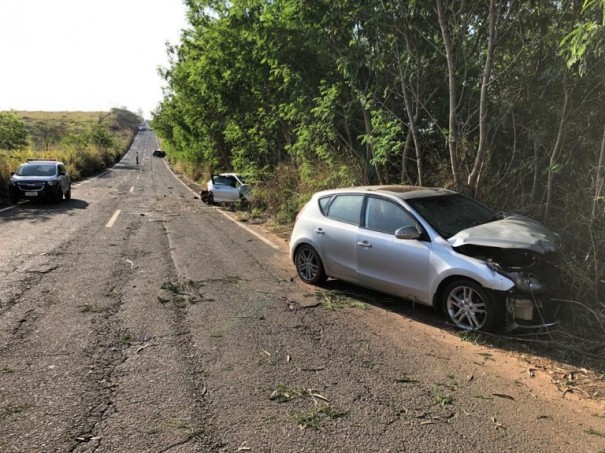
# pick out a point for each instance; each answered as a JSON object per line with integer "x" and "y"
{"x": 85, "y": 55}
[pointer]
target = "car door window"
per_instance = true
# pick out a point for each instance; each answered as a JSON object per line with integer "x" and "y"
{"x": 385, "y": 216}
{"x": 346, "y": 208}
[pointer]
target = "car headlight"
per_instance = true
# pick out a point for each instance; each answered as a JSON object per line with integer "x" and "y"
{"x": 52, "y": 183}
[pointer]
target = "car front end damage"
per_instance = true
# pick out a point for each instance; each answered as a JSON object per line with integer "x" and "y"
{"x": 523, "y": 251}
{"x": 536, "y": 279}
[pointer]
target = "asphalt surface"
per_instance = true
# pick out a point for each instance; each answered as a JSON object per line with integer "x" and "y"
{"x": 135, "y": 318}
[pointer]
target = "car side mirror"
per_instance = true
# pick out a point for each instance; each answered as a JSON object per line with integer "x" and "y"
{"x": 63, "y": 172}
{"x": 12, "y": 173}
{"x": 407, "y": 232}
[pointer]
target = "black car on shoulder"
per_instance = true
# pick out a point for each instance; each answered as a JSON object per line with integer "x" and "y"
{"x": 39, "y": 179}
{"x": 159, "y": 153}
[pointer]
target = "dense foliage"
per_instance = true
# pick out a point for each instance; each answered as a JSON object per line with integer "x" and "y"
{"x": 502, "y": 100}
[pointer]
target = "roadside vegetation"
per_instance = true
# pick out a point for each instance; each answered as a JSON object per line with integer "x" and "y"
{"x": 500, "y": 100}
{"x": 87, "y": 142}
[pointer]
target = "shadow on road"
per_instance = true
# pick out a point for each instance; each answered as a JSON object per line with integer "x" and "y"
{"x": 41, "y": 212}
{"x": 551, "y": 345}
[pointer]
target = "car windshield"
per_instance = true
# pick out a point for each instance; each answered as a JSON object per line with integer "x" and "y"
{"x": 449, "y": 214}
{"x": 37, "y": 170}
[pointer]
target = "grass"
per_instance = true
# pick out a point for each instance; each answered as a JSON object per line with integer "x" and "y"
{"x": 69, "y": 138}
{"x": 442, "y": 399}
{"x": 333, "y": 300}
{"x": 283, "y": 394}
{"x": 313, "y": 419}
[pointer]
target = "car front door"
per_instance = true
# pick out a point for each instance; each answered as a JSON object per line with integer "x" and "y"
{"x": 385, "y": 263}
{"x": 63, "y": 179}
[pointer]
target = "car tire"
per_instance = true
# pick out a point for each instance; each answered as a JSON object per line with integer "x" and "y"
{"x": 309, "y": 266}
{"x": 58, "y": 196}
{"x": 210, "y": 199}
{"x": 13, "y": 199}
{"x": 469, "y": 306}
{"x": 68, "y": 194}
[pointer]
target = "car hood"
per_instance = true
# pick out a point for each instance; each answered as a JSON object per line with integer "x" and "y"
{"x": 32, "y": 178}
{"x": 512, "y": 232}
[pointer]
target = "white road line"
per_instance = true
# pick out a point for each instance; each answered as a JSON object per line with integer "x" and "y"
{"x": 239, "y": 224}
{"x": 113, "y": 219}
{"x": 249, "y": 230}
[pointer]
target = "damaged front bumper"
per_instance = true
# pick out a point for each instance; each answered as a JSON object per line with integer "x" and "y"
{"x": 529, "y": 304}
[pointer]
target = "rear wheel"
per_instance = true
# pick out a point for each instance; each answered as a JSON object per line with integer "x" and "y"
{"x": 68, "y": 194}
{"x": 469, "y": 306}
{"x": 309, "y": 266}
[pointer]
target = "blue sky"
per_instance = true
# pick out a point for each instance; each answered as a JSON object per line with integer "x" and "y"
{"x": 66, "y": 55}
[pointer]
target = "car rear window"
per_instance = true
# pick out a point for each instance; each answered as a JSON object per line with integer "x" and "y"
{"x": 323, "y": 204}
{"x": 346, "y": 208}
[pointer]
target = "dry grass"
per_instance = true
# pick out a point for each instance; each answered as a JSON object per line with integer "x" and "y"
{"x": 70, "y": 145}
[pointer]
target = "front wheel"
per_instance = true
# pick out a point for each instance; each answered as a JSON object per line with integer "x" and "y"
{"x": 210, "y": 198}
{"x": 471, "y": 307}
{"x": 309, "y": 266}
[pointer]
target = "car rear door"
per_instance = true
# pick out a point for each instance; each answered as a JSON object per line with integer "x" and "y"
{"x": 336, "y": 234}
{"x": 224, "y": 189}
{"x": 385, "y": 263}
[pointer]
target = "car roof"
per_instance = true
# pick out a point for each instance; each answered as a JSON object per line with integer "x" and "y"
{"x": 41, "y": 161}
{"x": 404, "y": 192}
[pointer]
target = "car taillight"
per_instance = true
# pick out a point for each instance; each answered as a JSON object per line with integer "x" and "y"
{"x": 301, "y": 211}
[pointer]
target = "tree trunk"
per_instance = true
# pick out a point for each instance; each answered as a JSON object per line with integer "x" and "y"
{"x": 599, "y": 178}
{"x": 404, "y": 157}
{"x": 534, "y": 186}
{"x": 369, "y": 147}
{"x": 413, "y": 130}
{"x": 473, "y": 177}
{"x": 452, "y": 136}
{"x": 556, "y": 149}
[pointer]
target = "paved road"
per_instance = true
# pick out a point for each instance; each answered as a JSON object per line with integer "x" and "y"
{"x": 135, "y": 318}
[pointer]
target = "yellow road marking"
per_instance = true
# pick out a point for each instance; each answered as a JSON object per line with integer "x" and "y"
{"x": 113, "y": 219}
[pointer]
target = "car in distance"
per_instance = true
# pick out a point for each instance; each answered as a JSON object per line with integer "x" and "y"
{"x": 159, "y": 153}
{"x": 226, "y": 188}
{"x": 486, "y": 271}
{"x": 39, "y": 179}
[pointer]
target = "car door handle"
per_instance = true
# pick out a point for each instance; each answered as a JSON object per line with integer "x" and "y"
{"x": 364, "y": 244}
{"x": 319, "y": 231}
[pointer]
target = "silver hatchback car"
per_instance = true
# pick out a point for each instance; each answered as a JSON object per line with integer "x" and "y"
{"x": 486, "y": 271}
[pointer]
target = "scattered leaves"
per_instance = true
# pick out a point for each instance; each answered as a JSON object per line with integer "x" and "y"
{"x": 503, "y": 395}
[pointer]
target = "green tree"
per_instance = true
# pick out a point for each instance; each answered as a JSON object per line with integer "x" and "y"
{"x": 13, "y": 133}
